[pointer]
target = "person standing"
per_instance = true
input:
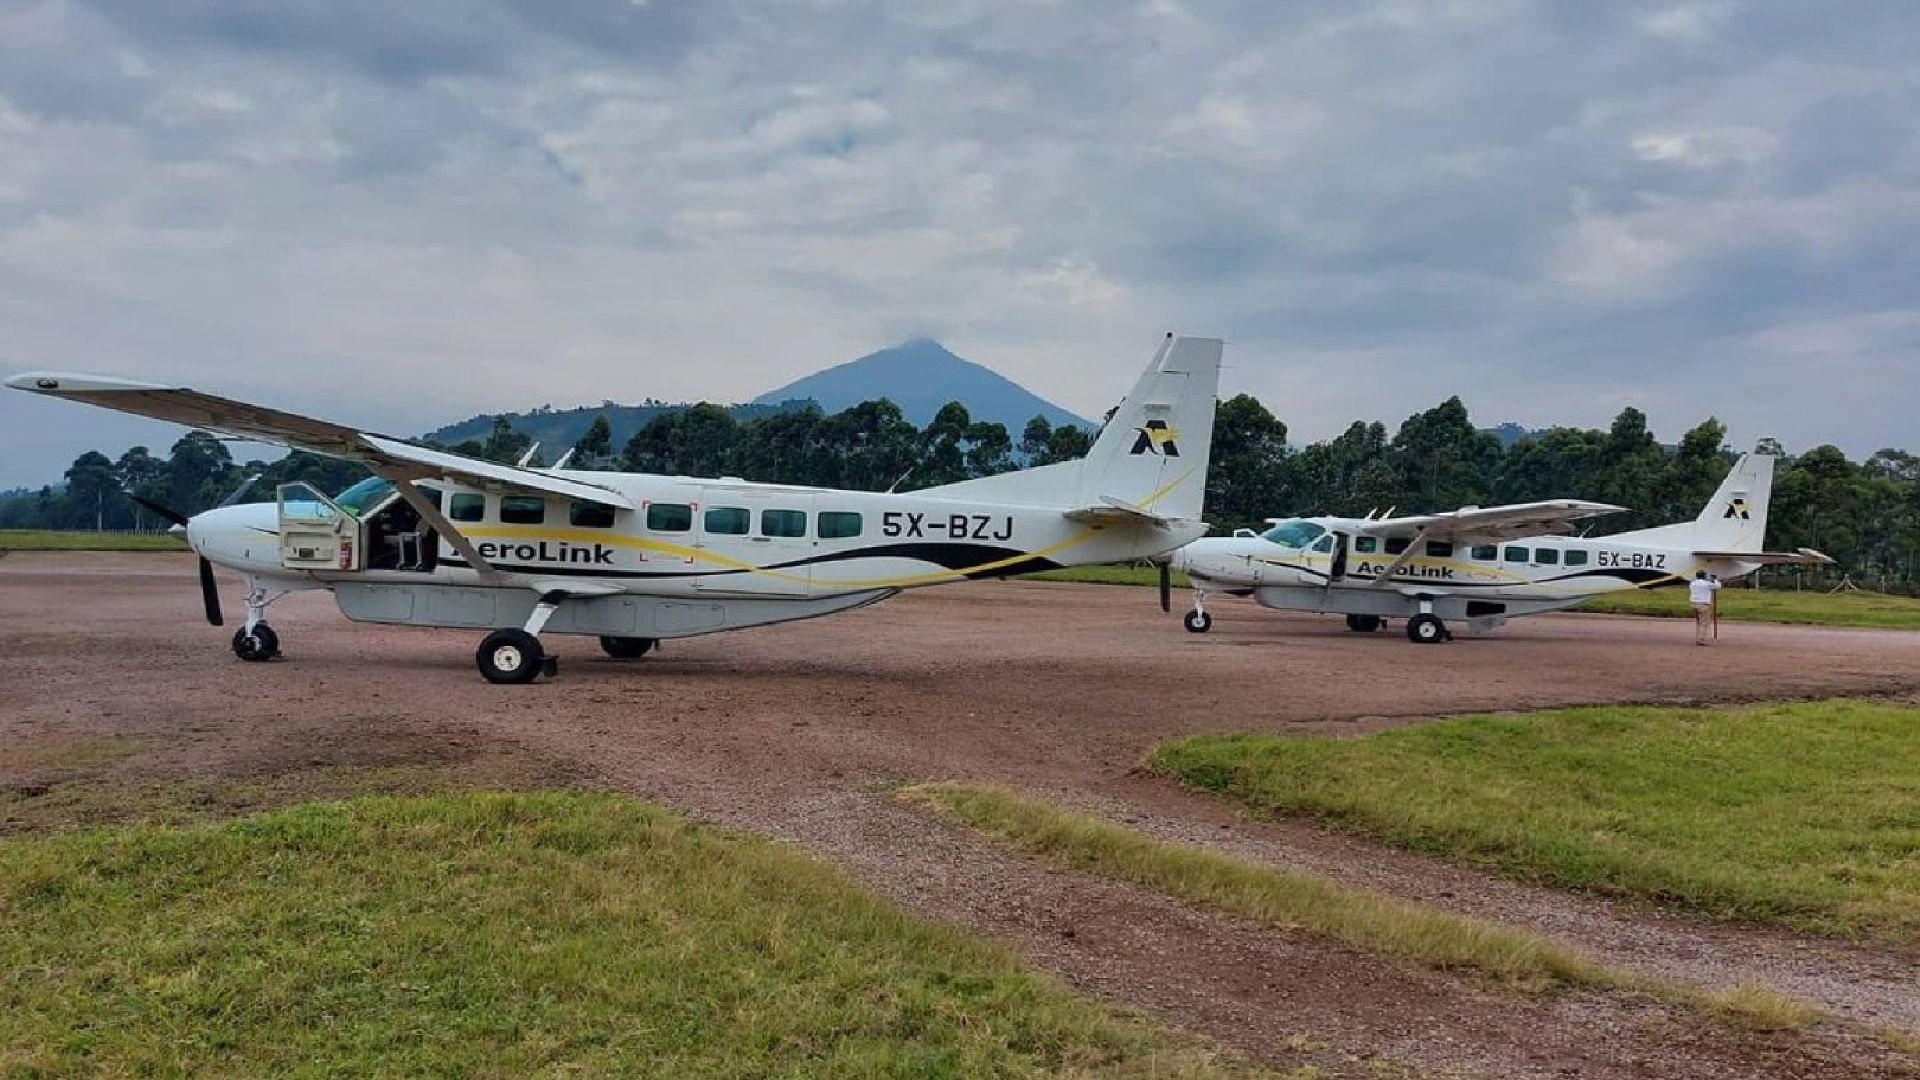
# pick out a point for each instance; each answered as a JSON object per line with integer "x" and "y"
{"x": 1700, "y": 594}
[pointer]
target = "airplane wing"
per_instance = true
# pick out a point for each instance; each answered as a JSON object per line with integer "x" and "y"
{"x": 1491, "y": 523}
{"x": 1803, "y": 557}
{"x": 261, "y": 424}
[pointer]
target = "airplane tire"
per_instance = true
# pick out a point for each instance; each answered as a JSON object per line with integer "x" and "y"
{"x": 1363, "y": 624}
{"x": 1426, "y": 630}
{"x": 627, "y": 648}
{"x": 260, "y": 645}
{"x": 1198, "y": 622}
{"x": 510, "y": 656}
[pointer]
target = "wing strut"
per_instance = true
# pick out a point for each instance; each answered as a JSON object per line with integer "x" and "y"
{"x": 1414, "y": 547}
{"x": 431, "y": 515}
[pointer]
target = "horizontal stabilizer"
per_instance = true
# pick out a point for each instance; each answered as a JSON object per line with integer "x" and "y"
{"x": 1803, "y": 557}
{"x": 1112, "y": 509}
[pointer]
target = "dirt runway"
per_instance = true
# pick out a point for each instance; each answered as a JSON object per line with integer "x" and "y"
{"x": 797, "y": 730}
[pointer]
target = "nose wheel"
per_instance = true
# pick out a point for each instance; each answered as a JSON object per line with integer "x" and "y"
{"x": 1198, "y": 621}
{"x": 256, "y": 644}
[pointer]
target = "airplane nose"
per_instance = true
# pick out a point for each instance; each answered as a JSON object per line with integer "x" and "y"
{"x": 245, "y": 537}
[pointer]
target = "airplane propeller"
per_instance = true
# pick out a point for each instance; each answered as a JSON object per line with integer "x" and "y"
{"x": 209, "y": 588}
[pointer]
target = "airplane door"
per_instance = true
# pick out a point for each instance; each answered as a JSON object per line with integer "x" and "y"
{"x": 315, "y": 533}
{"x": 764, "y": 537}
{"x": 1341, "y": 542}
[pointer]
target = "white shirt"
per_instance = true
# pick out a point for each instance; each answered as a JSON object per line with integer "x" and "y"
{"x": 1701, "y": 590}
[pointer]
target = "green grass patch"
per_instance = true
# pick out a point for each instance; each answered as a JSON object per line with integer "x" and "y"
{"x": 85, "y": 752}
{"x": 494, "y": 935}
{"x": 1109, "y": 575}
{"x": 51, "y": 801}
{"x": 1875, "y": 610}
{"x": 1318, "y": 905}
{"x": 41, "y": 540}
{"x": 1806, "y": 815}
{"x": 1361, "y": 918}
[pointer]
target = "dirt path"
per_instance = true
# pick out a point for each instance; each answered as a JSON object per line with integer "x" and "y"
{"x": 1054, "y": 689}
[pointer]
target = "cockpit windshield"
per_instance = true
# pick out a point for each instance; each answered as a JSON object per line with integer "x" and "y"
{"x": 366, "y": 495}
{"x": 1294, "y": 534}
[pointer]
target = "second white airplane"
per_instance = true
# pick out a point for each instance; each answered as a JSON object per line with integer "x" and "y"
{"x": 1483, "y": 565}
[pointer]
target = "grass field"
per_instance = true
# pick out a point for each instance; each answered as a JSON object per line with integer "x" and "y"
{"x": 497, "y": 935}
{"x": 1804, "y": 814}
{"x": 1299, "y": 901}
{"x": 1774, "y": 605}
{"x": 1110, "y": 575}
{"x": 39, "y": 540}
{"x": 1736, "y": 604}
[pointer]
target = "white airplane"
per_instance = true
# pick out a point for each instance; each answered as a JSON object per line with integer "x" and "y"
{"x": 1481, "y": 564}
{"x": 439, "y": 539}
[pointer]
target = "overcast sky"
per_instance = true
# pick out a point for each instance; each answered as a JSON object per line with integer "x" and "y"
{"x": 402, "y": 214}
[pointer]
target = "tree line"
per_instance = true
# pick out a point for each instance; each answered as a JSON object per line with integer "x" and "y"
{"x": 1865, "y": 514}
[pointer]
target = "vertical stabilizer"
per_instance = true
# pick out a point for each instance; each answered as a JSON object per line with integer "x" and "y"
{"x": 1151, "y": 456}
{"x": 1735, "y": 519}
{"x": 1153, "y": 453}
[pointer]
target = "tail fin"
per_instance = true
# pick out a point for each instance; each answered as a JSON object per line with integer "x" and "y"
{"x": 1150, "y": 457}
{"x": 1735, "y": 519}
{"x": 1153, "y": 453}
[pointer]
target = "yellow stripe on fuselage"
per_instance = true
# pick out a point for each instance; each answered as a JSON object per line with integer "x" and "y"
{"x": 699, "y": 555}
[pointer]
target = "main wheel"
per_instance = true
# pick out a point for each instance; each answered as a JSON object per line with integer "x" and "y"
{"x": 510, "y": 656}
{"x": 256, "y": 645}
{"x": 628, "y": 648}
{"x": 1363, "y": 624}
{"x": 1198, "y": 622}
{"x": 1426, "y": 630}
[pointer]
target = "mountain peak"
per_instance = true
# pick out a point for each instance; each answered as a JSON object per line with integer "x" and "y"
{"x": 920, "y": 375}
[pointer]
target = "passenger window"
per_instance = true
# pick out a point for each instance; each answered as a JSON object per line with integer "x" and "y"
{"x": 1366, "y": 545}
{"x": 1576, "y": 558}
{"x": 1439, "y": 549}
{"x": 1516, "y": 554}
{"x": 728, "y": 521}
{"x": 783, "y": 523}
{"x": 1396, "y": 544}
{"x": 587, "y": 515}
{"x": 466, "y": 506}
{"x": 669, "y": 517}
{"x": 1546, "y": 556}
{"x": 1484, "y": 553}
{"x": 522, "y": 509}
{"x": 838, "y": 524}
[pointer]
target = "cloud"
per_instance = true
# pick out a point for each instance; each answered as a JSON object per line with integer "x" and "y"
{"x": 399, "y": 215}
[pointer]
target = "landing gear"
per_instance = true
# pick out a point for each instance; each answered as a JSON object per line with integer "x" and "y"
{"x": 513, "y": 654}
{"x": 256, "y": 644}
{"x": 1197, "y": 621}
{"x": 510, "y": 656}
{"x": 628, "y": 648}
{"x": 1364, "y": 624}
{"x": 1424, "y": 629}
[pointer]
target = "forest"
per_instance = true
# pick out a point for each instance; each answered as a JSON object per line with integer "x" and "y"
{"x": 1865, "y": 514}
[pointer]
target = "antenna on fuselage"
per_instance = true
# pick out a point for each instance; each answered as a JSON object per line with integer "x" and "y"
{"x": 528, "y": 456}
{"x": 564, "y": 458}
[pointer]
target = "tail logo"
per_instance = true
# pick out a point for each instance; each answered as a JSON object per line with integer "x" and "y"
{"x": 1156, "y": 438}
{"x": 1737, "y": 508}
